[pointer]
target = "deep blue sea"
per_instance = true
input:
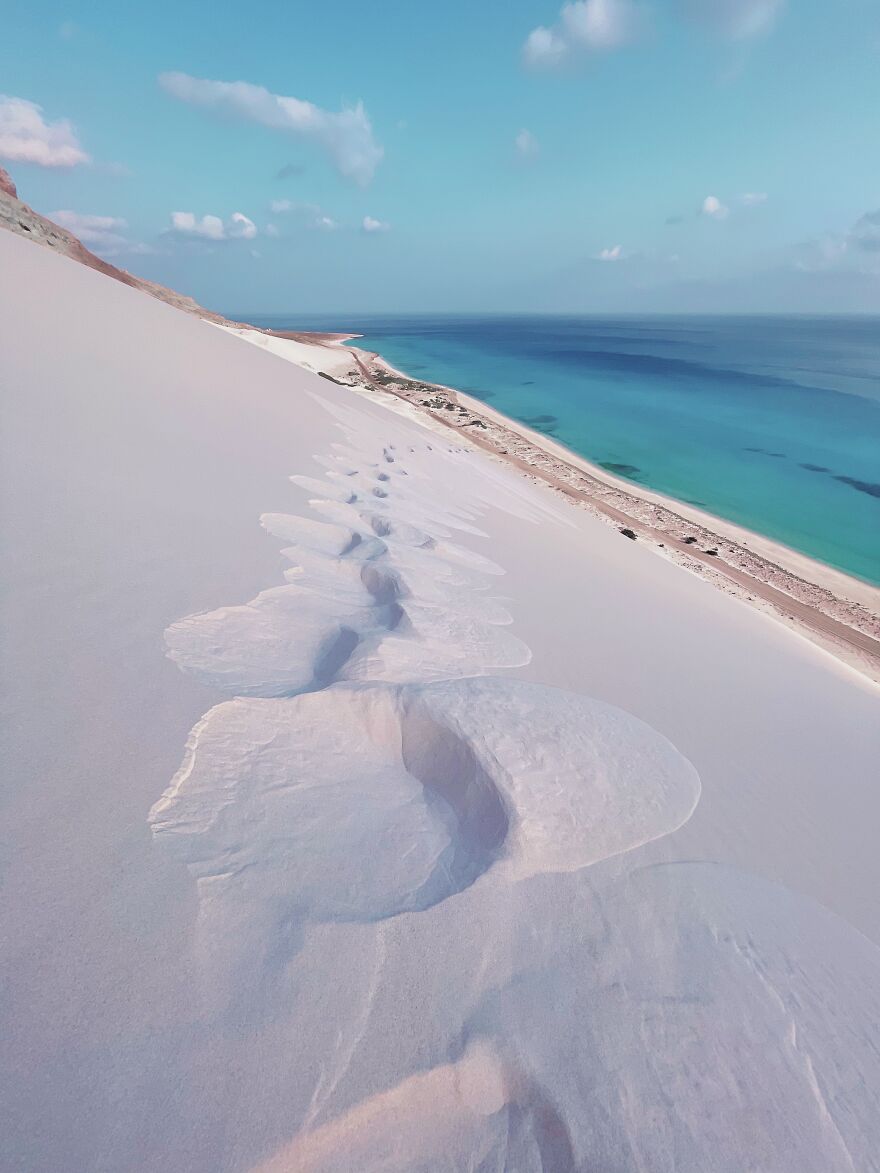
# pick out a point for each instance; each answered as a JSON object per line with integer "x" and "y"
{"x": 772, "y": 422}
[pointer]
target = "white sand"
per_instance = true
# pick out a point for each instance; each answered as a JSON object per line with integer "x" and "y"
{"x": 332, "y": 360}
{"x": 404, "y": 907}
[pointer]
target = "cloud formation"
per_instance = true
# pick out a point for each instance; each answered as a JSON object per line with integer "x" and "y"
{"x": 855, "y": 251}
{"x": 714, "y": 209}
{"x": 526, "y": 144}
{"x": 26, "y": 137}
{"x": 737, "y": 20}
{"x": 310, "y": 214}
{"x": 371, "y": 225}
{"x": 209, "y": 227}
{"x": 346, "y": 136}
{"x": 104, "y": 234}
{"x": 611, "y": 254}
{"x": 94, "y": 230}
{"x": 585, "y": 26}
{"x": 188, "y": 224}
{"x": 241, "y": 226}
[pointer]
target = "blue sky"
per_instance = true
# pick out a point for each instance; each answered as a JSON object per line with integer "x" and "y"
{"x": 602, "y": 155}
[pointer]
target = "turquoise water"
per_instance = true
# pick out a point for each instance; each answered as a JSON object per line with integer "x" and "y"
{"x": 773, "y": 423}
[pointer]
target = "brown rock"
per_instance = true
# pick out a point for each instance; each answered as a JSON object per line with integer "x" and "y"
{"x": 17, "y": 217}
{"x": 6, "y": 184}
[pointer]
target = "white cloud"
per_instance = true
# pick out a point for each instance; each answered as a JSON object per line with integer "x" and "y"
{"x": 714, "y": 208}
{"x": 26, "y": 137}
{"x": 585, "y": 26}
{"x": 611, "y": 254}
{"x": 854, "y": 251}
{"x": 371, "y": 225}
{"x": 241, "y": 226}
{"x": 596, "y": 26}
{"x": 346, "y": 136}
{"x": 544, "y": 49}
{"x": 272, "y": 230}
{"x": 299, "y": 207}
{"x": 187, "y": 224}
{"x": 104, "y": 234}
{"x": 90, "y": 229}
{"x": 312, "y": 215}
{"x": 600, "y": 24}
{"x": 210, "y": 227}
{"x": 526, "y": 144}
{"x": 737, "y": 19}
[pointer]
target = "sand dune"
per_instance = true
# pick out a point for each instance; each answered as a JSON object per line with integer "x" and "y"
{"x": 469, "y": 836}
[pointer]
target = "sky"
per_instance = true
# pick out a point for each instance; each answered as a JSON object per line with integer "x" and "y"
{"x": 507, "y": 155}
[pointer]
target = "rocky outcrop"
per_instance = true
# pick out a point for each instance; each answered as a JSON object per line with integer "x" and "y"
{"x": 17, "y": 217}
{"x": 6, "y": 184}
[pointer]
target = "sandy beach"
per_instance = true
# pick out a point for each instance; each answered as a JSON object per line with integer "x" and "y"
{"x": 835, "y": 610}
{"x": 370, "y": 806}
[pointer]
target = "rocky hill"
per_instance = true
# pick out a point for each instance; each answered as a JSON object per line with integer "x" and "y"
{"x": 7, "y": 187}
{"x": 18, "y": 217}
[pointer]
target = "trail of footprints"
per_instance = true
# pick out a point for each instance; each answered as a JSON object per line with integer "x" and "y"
{"x": 368, "y": 765}
{"x": 371, "y": 595}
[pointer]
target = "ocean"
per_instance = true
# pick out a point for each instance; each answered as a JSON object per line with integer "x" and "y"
{"x": 770, "y": 422}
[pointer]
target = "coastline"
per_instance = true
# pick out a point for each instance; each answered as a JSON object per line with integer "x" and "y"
{"x": 838, "y": 612}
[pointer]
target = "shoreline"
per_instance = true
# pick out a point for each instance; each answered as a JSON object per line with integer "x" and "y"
{"x": 832, "y": 609}
{"x": 793, "y": 561}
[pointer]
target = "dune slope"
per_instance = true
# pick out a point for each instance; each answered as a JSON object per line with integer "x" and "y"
{"x": 369, "y": 807}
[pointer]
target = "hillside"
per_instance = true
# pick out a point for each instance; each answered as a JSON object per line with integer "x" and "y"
{"x": 19, "y": 218}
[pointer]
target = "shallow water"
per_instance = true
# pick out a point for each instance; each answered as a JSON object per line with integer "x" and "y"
{"x": 771, "y": 422}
